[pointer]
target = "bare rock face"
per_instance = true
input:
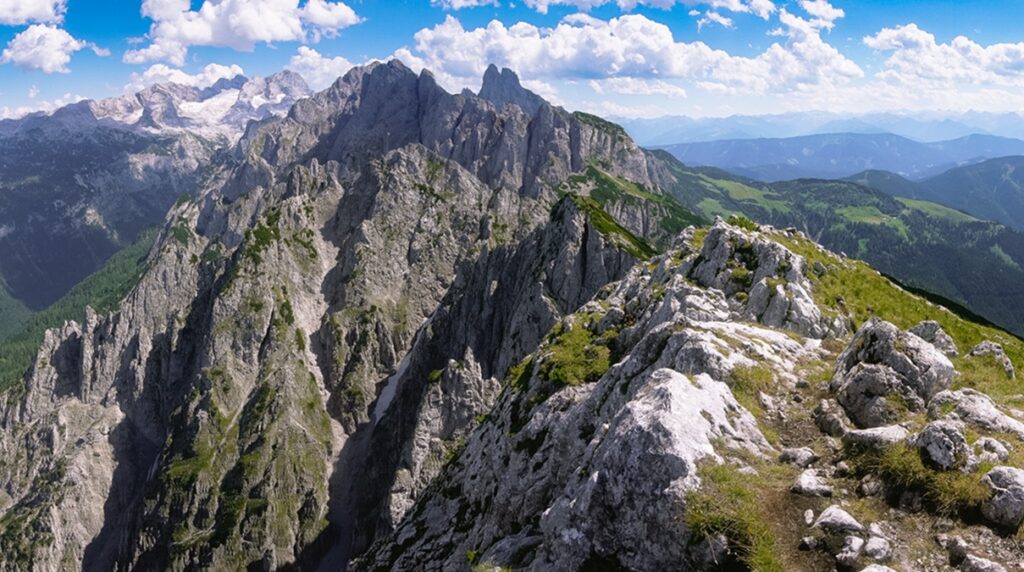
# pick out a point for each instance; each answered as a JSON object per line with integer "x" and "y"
{"x": 359, "y": 273}
{"x": 765, "y": 279}
{"x": 975, "y": 408}
{"x": 942, "y": 444}
{"x": 809, "y": 483}
{"x": 932, "y": 332}
{"x": 883, "y": 370}
{"x": 836, "y": 520}
{"x": 539, "y": 480}
{"x": 876, "y": 438}
{"x": 1006, "y": 507}
{"x": 501, "y": 87}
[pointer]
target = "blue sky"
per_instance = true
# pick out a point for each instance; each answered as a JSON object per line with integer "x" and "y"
{"x": 616, "y": 57}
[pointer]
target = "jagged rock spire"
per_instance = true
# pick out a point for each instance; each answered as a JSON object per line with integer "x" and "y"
{"x": 501, "y": 87}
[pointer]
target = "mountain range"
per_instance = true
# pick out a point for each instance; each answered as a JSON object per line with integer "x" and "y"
{"x": 840, "y": 155}
{"x": 989, "y": 190}
{"x": 78, "y": 185}
{"x": 923, "y": 127}
{"x": 397, "y": 328}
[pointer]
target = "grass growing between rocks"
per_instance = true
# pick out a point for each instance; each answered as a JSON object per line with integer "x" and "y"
{"x": 575, "y": 356}
{"x": 949, "y": 493}
{"x": 608, "y": 227}
{"x": 729, "y": 504}
{"x": 746, "y": 383}
{"x": 607, "y": 188}
{"x": 852, "y": 288}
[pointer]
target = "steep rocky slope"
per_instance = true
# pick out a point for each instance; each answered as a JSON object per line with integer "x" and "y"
{"x": 434, "y": 331}
{"x": 222, "y": 415}
{"x": 716, "y": 409}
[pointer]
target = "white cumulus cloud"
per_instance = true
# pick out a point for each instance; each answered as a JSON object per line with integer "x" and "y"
{"x": 916, "y": 58}
{"x": 45, "y": 48}
{"x": 161, "y": 73}
{"x": 318, "y": 71}
{"x": 237, "y": 24}
{"x": 715, "y": 18}
{"x": 20, "y": 12}
{"x": 460, "y": 4}
{"x": 637, "y": 86}
{"x": 761, "y": 8}
{"x": 584, "y": 47}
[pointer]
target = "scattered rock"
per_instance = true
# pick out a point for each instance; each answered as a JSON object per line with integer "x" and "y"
{"x": 836, "y": 520}
{"x": 877, "y": 438}
{"x": 955, "y": 546}
{"x": 974, "y": 408}
{"x": 809, "y": 543}
{"x": 870, "y": 486}
{"x": 976, "y": 564}
{"x": 943, "y": 445}
{"x": 992, "y": 450}
{"x": 876, "y": 568}
{"x": 842, "y": 469}
{"x": 802, "y": 457}
{"x": 850, "y": 552}
{"x": 878, "y": 548}
{"x": 808, "y": 483}
{"x": 1006, "y": 507}
{"x": 809, "y": 517}
{"x": 932, "y": 332}
{"x": 830, "y": 418}
{"x": 990, "y": 348}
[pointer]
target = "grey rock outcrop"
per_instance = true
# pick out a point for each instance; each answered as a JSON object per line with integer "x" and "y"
{"x": 1006, "y": 507}
{"x": 973, "y": 563}
{"x": 942, "y": 444}
{"x": 990, "y": 348}
{"x": 802, "y": 456}
{"x": 992, "y": 450}
{"x": 835, "y": 520}
{"x": 763, "y": 277}
{"x": 884, "y": 369}
{"x": 932, "y": 332}
{"x": 876, "y": 438}
{"x": 809, "y": 483}
{"x": 975, "y": 408}
{"x": 653, "y": 418}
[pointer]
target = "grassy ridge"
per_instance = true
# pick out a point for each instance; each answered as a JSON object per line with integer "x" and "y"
{"x": 855, "y": 289}
{"x": 102, "y": 291}
{"x": 975, "y": 263}
{"x": 608, "y": 189}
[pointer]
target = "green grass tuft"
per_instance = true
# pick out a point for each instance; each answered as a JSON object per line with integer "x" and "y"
{"x": 575, "y": 356}
{"x": 727, "y": 504}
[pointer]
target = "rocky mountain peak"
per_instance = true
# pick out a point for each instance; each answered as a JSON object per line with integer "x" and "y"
{"x": 223, "y": 84}
{"x": 501, "y": 87}
{"x": 438, "y": 331}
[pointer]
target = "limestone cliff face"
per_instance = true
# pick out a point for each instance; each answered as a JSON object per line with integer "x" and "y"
{"x": 597, "y": 467}
{"x": 383, "y": 235}
{"x": 433, "y": 331}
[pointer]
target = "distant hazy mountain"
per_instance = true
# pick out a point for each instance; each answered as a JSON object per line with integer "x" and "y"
{"x": 992, "y": 189}
{"x": 839, "y": 155}
{"x": 920, "y": 127}
{"x": 81, "y": 183}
